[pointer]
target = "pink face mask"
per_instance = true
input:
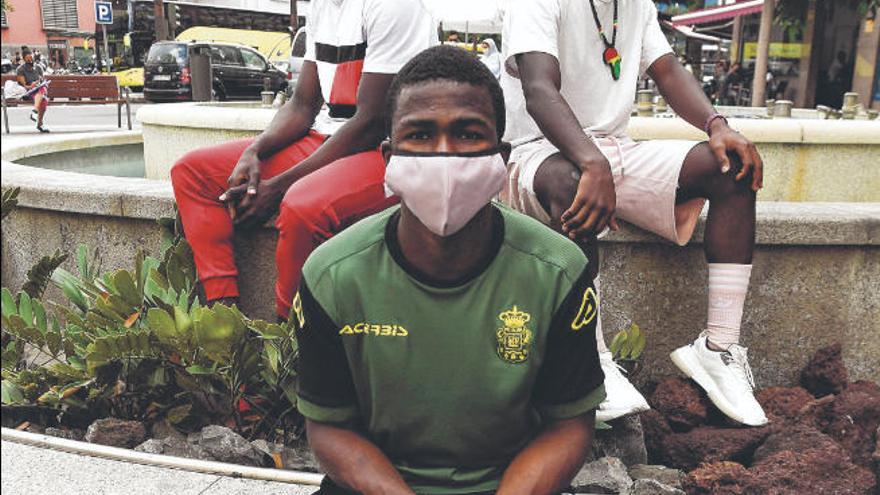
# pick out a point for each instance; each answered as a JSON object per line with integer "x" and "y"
{"x": 445, "y": 191}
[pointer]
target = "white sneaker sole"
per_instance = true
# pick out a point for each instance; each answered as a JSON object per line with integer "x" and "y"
{"x": 612, "y": 414}
{"x": 686, "y": 360}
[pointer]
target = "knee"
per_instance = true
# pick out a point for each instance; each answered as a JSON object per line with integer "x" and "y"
{"x": 186, "y": 168}
{"x": 297, "y": 213}
{"x": 556, "y": 184}
{"x": 180, "y": 171}
{"x": 725, "y": 184}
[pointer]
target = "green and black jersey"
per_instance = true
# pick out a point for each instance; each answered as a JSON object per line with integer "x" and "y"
{"x": 449, "y": 380}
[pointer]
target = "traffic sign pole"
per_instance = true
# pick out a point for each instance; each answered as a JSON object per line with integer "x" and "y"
{"x": 106, "y": 49}
{"x": 104, "y": 16}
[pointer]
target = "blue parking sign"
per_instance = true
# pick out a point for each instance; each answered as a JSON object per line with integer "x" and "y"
{"x": 103, "y": 13}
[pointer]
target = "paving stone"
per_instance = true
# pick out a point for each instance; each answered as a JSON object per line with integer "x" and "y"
{"x": 625, "y": 440}
{"x": 227, "y": 446}
{"x": 663, "y": 474}
{"x": 652, "y": 487}
{"x": 606, "y": 475}
{"x": 116, "y": 432}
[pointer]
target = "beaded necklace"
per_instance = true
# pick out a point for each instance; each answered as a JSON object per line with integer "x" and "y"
{"x": 610, "y": 56}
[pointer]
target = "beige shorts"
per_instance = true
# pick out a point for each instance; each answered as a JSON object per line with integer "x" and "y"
{"x": 645, "y": 179}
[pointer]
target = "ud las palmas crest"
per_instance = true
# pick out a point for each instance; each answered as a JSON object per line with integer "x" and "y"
{"x": 514, "y": 339}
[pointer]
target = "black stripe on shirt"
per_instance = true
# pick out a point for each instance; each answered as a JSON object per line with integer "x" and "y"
{"x": 324, "y": 376}
{"x": 340, "y": 54}
{"x": 340, "y": 111}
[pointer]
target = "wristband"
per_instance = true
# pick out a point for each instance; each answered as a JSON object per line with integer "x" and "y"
{"x": 711, "y": 119}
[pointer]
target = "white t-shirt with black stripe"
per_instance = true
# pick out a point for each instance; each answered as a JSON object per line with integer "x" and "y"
{"x": 346, "y": 38}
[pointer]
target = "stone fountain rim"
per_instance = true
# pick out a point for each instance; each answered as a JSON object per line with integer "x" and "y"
{"x": 780, "y": 223}
{"x": 790, "y": 131}
{"x": 88, "y": 450}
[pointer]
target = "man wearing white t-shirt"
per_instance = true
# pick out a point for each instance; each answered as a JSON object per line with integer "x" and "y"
{"x": 572, "y": 69}
{"x": 320, "y": 170}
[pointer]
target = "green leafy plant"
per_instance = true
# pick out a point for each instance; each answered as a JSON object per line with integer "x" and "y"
{"x": 40, "y": 274}
{"x": 9, "y": 200}
{"x": 138, "y": 344}
{"x": 627, "y": 348}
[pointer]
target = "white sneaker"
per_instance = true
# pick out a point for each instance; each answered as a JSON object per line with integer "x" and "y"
{"x": 725, "y": 376}
{"x": 621, "y": 397}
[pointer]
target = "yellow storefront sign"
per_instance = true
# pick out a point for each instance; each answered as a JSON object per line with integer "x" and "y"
{"x": 777, "y": 50}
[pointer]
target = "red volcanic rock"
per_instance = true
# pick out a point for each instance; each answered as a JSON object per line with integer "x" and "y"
{"x": 712, "y": 444}
{"x": 855, "y": 416}
{"x": 825, "y": 373}
{"x": 812, "y": 471}
{"x": 718, "y": 478}
{"x": 798, "y": 438}
{"x": 876, "y": 455}
{"x": 783, "y": 402}
{"x": 681, "y": 403}
{"x": 656, "y": 429}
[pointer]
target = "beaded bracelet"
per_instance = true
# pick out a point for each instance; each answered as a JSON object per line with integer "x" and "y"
{"x": 711, "y": 119}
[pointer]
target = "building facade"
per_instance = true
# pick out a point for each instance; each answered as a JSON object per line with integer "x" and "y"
{"x": 59, "y": 29}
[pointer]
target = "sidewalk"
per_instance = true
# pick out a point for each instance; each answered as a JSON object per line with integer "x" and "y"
{"x": 68, "y": 119}
{"x": 29, "y": 469}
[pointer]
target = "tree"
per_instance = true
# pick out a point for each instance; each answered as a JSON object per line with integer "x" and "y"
{"x": 790, "y": 13}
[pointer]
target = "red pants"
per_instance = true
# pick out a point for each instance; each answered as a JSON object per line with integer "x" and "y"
{"x": 314, "y": 209}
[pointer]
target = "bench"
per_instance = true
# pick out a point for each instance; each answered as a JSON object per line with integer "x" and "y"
{"x": 79, "y": 90}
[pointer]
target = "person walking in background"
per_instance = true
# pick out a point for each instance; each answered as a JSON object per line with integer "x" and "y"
{"x": 30, "y": 75}
{"x": 319, "y": 170}
{"x": 573, "y": 67}
{"x": 491, "y": 57}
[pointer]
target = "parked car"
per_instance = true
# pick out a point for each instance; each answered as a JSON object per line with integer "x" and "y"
{"x": 238, "y": 71}
{"x": 131, "y": 78}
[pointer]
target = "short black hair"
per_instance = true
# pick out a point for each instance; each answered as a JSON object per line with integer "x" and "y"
{"x": 446, "y": 63}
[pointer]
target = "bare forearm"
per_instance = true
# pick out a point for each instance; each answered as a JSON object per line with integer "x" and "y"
{"x": 290, "y": 124}
{"x": 354, "y": 462}
{"x": 548, "y": 464}
{"x": 359, "y": 134}
{"x": 681, "y": 90}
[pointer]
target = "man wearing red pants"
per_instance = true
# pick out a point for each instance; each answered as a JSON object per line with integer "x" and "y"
{"x": 320, "y": 170}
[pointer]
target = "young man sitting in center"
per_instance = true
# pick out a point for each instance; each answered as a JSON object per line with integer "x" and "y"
{"x": 447, "y": 345}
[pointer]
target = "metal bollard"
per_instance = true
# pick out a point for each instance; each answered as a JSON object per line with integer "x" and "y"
{"x": 645, "y": 103}
{"x": 823, "y": 111}
{"x": 201, "y": 74}
{"x": 661, "y": 107}
{"x": 850, "y": 101}
{"x": 782, "y": 109}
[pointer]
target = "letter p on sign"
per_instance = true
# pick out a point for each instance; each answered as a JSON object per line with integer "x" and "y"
{"x": 103, "y": 13}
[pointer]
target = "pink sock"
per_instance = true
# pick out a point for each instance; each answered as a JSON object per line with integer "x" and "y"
{"x": 728, "y": 284}
{"x": 600, "y": 337}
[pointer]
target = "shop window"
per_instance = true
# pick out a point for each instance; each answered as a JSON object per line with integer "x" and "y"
{"x": 59, "y": 14}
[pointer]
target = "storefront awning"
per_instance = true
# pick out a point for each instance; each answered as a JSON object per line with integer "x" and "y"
{"x": 714, "y": 14}
{"x": 689, "y": 32}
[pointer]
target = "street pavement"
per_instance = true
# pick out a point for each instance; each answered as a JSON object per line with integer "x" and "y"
{"x": 29, "y": 470}
{"x": 63, "y": 119}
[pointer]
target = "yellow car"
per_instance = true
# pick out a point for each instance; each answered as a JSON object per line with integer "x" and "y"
{"x": 131, "y": 78}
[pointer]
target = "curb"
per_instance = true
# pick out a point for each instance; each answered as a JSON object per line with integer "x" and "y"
{"x": 179, "y": 463}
